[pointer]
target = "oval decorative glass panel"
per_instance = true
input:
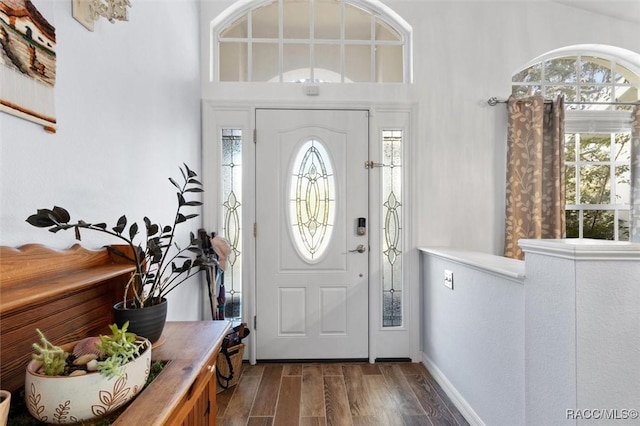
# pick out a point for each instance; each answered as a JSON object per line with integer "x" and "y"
{"x": 312, "y": 200}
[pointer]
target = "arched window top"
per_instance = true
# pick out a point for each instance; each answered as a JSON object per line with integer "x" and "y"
{"x": 624, "y": 57}
{"x": 338, "y": 41}
{"x": 589, "y": 77}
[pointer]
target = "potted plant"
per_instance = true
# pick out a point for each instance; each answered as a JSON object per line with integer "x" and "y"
{"x": 5, "y": 401}
{"x": 161, "y": 263}
{"x": 87, "y": 379}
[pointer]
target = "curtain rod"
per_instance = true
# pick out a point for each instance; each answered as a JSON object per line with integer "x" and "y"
{"x": 493, "y": 101}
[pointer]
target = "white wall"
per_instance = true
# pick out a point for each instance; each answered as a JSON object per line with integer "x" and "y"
{"x": 582, "y": 332}
{"x": 473, "y": 335}
{"x": 127, "y": 104}
{"x": 128, "y": 113}
{"x": 558, "y": 346}
{"x": 464, "y": 53}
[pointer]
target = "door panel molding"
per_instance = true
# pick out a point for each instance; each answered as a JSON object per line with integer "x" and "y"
{"x": 336, "y": 283}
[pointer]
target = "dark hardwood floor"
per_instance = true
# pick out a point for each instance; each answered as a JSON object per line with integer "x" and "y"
{"x": 385, "y": 394}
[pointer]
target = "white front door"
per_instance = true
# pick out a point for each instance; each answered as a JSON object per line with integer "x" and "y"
{"x": 311, "y": 260}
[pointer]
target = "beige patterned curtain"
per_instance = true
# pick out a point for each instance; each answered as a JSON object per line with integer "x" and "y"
{"x": 635, "y": 175}
{"x": 535, "y": 204}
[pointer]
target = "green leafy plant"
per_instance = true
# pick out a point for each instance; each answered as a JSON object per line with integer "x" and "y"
{"x": 116, "y": 349}
{"x": 120, "y": 347}
{"x": 161, "y": 264}
{"x": 52, "y": 357}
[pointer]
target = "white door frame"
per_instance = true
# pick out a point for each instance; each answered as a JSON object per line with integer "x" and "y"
{"x": 219, "y": 114}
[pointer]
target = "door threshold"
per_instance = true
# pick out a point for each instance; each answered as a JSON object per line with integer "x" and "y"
{"x": 311, "y": 360}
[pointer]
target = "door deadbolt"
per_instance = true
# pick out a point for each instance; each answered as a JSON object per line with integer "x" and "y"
{"x": 362, "y": 226}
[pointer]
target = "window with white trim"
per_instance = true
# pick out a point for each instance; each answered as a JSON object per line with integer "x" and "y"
{"x": 597, "y": 91}
{"x": 335, "y": 41}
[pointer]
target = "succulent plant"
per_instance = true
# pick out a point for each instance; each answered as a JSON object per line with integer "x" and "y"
{"x": 110, "y": 353}
{"x": 52, "y": 357}
{"x": 120, "y": 348}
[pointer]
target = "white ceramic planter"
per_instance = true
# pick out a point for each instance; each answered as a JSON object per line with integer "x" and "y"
{"x": 5, "y": 401}
{"x": 74, "y": 399}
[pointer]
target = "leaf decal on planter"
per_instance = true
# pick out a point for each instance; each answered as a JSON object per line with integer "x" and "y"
{"x": 115, "y": 398}
{"x": 62, "y": 413}
{"x": 33, "y": 399}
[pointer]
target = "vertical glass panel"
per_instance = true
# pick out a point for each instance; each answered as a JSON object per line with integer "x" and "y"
{"x": 265, "y": 21}
{"x": 552, "y": 92}
{"x": 389, "y": 64}
{"x": 296, "y": 58}
{"x": 595, "y": 94}
{"x": 595, "y": 146}
{"x": 265, "y": 62}
{"x": 392, "y": 228}
{"x": 622, "y": 147}
{"x": 358, "y": 63}
{"x": 598, "y": 224}
{"x": 238, "y": 29}
{"x": 627, "y": 94}
{"x": 623, "y": 225}
{"x": 385, "y": 32}
{"x": 570, "y": 146}
{"x": 231, "y": 227}
{"x": 625, "y": 76}
{"x": 573, "y": 224}
{"x": 312, "y": 200}
{"x": 327, "y": 57}
{"x": 296, "y": 19}
{"x": 532, "y": 74}
{"x": 327, "y": 76}
{"x": 327, "y": 21}
{"x": 357, "y": 23}
{"x": 595, "y": 185}
{"x": 560, "y": 70}
{"x": 523, "y": 91}
{"x": 233, "y": 61}
{"x": 623, "y": 185}
{"x": 595, "y": 70}
{"x": 570, "y": 185}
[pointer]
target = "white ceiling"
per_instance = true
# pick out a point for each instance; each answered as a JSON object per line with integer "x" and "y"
{"x": 627, "y": 10}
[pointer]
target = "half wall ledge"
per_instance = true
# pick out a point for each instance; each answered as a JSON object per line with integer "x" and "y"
{"x": 500, "y": 265}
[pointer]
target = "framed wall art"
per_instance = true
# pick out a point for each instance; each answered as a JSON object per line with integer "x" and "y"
{"x": 27, "y": 63}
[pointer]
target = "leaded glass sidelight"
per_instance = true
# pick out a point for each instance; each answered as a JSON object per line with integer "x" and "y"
{"x": 312, "y": 200}
{"x": 231, "y": 209}
{"x": 392, "y": 228}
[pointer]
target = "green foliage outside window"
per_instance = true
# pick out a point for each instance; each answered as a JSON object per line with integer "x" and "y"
{"x": 597, "y": 178}
{"x": 596, "y": 157}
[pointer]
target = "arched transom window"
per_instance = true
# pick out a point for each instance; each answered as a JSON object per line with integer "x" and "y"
{"x": 335, "y": 41}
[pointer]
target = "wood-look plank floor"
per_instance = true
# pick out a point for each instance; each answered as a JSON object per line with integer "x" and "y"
{"x": 385, "y": 394}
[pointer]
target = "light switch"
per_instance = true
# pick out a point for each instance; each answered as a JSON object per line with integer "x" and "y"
{"x": 448, "y": 278}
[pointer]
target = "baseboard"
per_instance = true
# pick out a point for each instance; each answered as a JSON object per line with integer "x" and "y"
{"x": 461, "y": 404}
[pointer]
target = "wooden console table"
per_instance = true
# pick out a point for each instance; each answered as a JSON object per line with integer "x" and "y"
{"x": 69, "y": 294}
{"x": 184, "y": 393}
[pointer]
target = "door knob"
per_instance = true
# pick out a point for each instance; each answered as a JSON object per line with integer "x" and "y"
{"x": 360, "y": 249}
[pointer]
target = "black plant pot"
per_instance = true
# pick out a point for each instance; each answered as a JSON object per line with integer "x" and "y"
{"x": 146, "y": 322}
